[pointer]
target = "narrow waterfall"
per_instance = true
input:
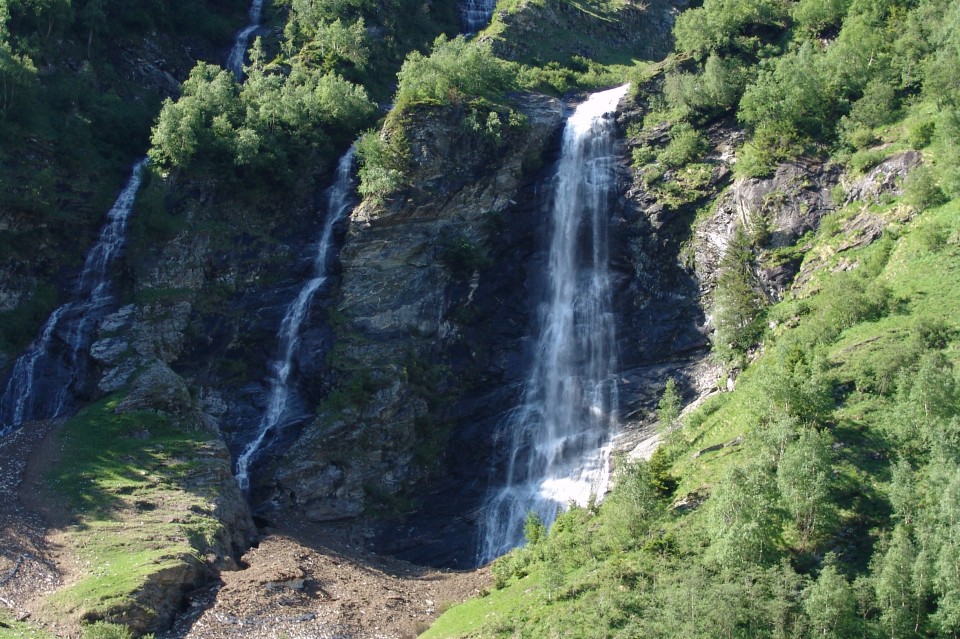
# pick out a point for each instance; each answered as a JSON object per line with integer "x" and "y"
{"x": 558, "y": 437}
{"x": 242, "y": 40}
{"x": 42, "y": 377}
{"x": 475, "y": 14}
{"x": 339, "y": 200}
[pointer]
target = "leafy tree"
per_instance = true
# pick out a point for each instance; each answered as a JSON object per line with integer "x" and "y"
{"x": 901, "y": 605}
{"x": 728, "y": 27}
{"x": 533, "y": 529}
{"x": 710, "y": 93}
{"x": 831, "y": 606}
{"x": 817, "y": 16}
{"x": 634, "y": 504}
{"x": 456, "y": 69}
{"x": 336, "y": 44}
{"x": 946, "y": 548}
{"x": 791, "y": 97}
{"x": 744, "y": 517}
{"x": 384, "y": 160}
{"x": 804, "y": 477}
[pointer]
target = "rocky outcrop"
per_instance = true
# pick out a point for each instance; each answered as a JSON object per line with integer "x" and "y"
{"x": 560, "y": 30}
{"x": 775, "y": 212}
{"x": 884, "y": 180}
{"x": 416, "y": 316}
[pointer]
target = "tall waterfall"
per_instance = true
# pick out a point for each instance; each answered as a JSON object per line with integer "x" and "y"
{"x": 339, "y": 200}
{"x": 242, "y": 39}
{"x": 475, "y": 14}
{"x": 558, "y": 436}
{"x": 42, "y": 378}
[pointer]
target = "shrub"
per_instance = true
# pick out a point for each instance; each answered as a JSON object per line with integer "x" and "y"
{"x": 384, "y": 160}
{"x": 105, "y": 630}
{"x": 685, "y": 146}
{"x": 920, "y": 133}
{"x": 456, "y": 69}
{"x": 922, "y": 189}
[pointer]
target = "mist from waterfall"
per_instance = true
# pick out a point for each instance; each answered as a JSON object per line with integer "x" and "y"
{"x": 558, "y": 437}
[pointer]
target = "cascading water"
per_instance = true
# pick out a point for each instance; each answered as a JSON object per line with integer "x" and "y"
{"x": 339, "y": 200}
{"x": 42, "y": 378}
{"x": 242, "y": 40}
{"x": 475, "y": 14}
{"x": 558, "y": 438}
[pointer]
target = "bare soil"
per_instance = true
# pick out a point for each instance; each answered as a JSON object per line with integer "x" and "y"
{"x": 303, "y": 581}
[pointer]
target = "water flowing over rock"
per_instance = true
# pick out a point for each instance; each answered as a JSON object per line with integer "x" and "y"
{"x": 242, "y": 39}
{"x": 558, "y": 435}
{"x": 44, "y": 378}
{"x": 339, "y": 201}
{"x": 475, "y": 14}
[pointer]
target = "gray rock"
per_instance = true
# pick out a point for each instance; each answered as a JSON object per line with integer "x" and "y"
{"x": 884, "y": 180}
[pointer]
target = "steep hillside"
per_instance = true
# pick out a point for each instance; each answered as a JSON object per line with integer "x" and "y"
{"x": 783, "y": 253}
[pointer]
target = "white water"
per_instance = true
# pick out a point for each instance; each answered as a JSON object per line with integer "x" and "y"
{"x": 558, "y": 438}
{"x": 476, "y": 14}
{"x": 338, "y": 203}
{"x": 242, "y": 40}
{"x": 40, "y": 383}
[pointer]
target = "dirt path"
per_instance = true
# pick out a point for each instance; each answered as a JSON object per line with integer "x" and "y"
{"x": 311, "y": 583}
{"x": 305, "y": 581}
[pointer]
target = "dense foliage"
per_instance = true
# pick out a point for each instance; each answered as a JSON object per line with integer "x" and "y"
{"x": 267, "y": 125}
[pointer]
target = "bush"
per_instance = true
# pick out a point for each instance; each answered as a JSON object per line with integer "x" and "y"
{"x": 104, "y": 630}
{"x": 685, "y": 146}
{"x": 922, "y": 189}
{"x": 384, "y": 161}
{"x": 456, "y": 69}
{"x": 712, "y": 92}
{"x": 920, "y": 133}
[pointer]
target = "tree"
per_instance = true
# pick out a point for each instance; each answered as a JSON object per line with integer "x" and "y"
{"x": 901, "y": 606}
{"x": 634, "y": 503}
{"x": 737, "y": 303}
{"x": 744, "y": 517}
{"x": 804, "y": 477}
{"x": 830, "y": 605}
{"x": 454, "y": 70}
{"x": 668, "y": 409}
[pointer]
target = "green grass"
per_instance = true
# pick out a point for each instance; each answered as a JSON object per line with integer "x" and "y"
{"x": 141, "y": 492}
{"x": 10, "y": 628}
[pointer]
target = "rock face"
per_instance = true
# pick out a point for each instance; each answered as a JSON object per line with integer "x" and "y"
{"x": 542, "y": 31}
{"x": 429, "y": 318}
{"x": 777, "y": 211}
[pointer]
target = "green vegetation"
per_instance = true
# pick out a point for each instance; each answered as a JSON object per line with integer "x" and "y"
{"x": 818, "y": 499}
{"x": 265, "y": 127}
{"x": 10, "y": 628}
{"x": 141, "y": 492}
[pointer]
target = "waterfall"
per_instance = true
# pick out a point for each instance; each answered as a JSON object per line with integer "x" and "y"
{"x": 475, "y": 14}
{"x": 42, "y": 377}
{"x": 242, "y": 40}
{"x": 558, "y": 437}
{"x": 339, "y": 199}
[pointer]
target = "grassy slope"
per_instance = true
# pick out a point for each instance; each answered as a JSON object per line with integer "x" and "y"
{"x": 141, "y": 490}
